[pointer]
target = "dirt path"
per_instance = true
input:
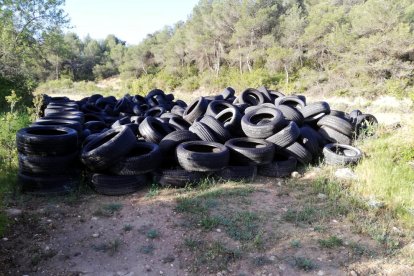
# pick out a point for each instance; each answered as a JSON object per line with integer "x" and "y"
{"x": 269, "y": 227}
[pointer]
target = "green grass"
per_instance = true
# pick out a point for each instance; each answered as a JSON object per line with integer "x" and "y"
{"x": 111, "y": 247}
{"x": 331, "y": 242}
{"x": 108, "y": 210}
{"x": 304, "y": 264}
{"x": 306, "y": 215}
{"x": 153, "y": 234}
{"x": 386, "y": 174}
{"x": 127, "y": 227}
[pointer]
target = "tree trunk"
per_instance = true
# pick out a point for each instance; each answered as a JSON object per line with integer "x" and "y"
{"x": 57, "y": 67}
{"x": 240, "y": 61}
{"x": 287, "y": 74}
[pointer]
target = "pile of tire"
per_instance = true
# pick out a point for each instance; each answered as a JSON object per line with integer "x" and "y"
{"x": 127, "y": 143}
{"x": 48, "y": 153}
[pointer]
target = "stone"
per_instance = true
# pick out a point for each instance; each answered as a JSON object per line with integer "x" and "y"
{"x": 322, "y": 196}
{"x": 95, "y": 235}
{"x": 346, "y": 174}
{"x": 147, "y": 267}
{"x": 353, "y": 273}
{"x": 295, "y": 175}
{"x": 13, "y": 212}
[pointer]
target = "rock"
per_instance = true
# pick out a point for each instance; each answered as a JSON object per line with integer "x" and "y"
{"x": 94, "y": 218}
{"x": 322, "y": 196}
{"x": 353, "y": 273}
{"x": 161, "y": 272}
{"x": 147, "y": 267}
{"x": 218, "y": 230}
{"x": 321, "y": 273}
{"x": 375, "y": 204}
{"x": 295, "y": 175}
{"x": 272, "y": 258}
{"x": 13, "y": 212}
{"x": 5, "y": 239}
{"x": 130, "y": 274}
{"x": 95, "y": 235}
{"x": 345, "y": 173}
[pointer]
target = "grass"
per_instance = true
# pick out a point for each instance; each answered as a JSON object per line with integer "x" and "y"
{"x": 386, "y": 174}
{"x": 147, "y": 249}
{"x": 108, "y": 210}
{"x": 111, "y": 247}
{"x": 127, "y": 227}
{"x": 331, "y": 242}
{"x": 153, "y": 234}
{"x": 153, "y": 191}
{"x": 304, "y": 264}
{"x": 306, "y": 215}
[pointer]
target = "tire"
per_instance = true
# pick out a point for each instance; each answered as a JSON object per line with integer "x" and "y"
{"x": 178, "y": 123}
{"x": 286, "y": 136}
{"x": 228, "y": 93}
{"x": 291, "y": 114}
{"x": 169, "y": 115}
{"x": 251, "y": 128}
{"x": 64, "y": 116}
{"x": 265, "y": 92}
{"x": 363, "y": 123}
{"x": 46, "y": 140}
{"x": 220, "y": 132}
{"x": 115, "y": 185}
{"x": 299, "y": 152}
{"x": 144, "y": 157}
{"x": 275, "y": 94}
{"x": 170, "y": 142}
{"x": 153, "y": 130}
{"x": 231, "y": 120}
{"x": 341, "y": 125}
{"x": 155, "y": 111}
{"x": 215, "y": 107}
{"x": 94, "y": 126}
{"x": 46, "y": 165}
{"x": 251, "y": 96}
{"x": 314, "y": 109}
{"x": 108, "y": 148}
{"x": 334, "y": 136}
{"x": 203, "y": 132}
{"x": 237, "y": 173}
{"x": 280, "y": 167}
{"x": 56, "y": 122}
{"x": 177, "y": 178}
{"x": 202, "y": 156}
{"x": 249, "y": 151}
{"x": 334, "y": 154}
{"x": 178, "y": 110}
{"x": 341, "y": 114}
{"x": 355, "y": 113}
{"x": 255, "y": 107}
{"x": 309, "y": 138}
{"x": 50, "y": 185}
{"x": 195, "y": 110}
{"x": 292, "y": 101}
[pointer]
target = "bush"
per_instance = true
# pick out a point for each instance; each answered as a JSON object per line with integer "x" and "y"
{"x": 190, "y": 84}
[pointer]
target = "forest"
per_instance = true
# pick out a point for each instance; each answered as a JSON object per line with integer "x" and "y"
{"x": 335, "y": 47}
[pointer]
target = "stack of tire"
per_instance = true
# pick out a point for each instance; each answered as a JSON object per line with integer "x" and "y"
{"x": 47, "y": 160}
{"x": 127, "y": 142}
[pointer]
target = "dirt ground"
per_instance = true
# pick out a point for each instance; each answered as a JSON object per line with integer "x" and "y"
{"x": 153, "y": 233}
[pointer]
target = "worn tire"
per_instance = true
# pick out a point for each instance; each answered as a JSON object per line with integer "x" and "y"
{"x": 314, "y": 109}
{"x": 237, "y": 173}
{"x": 46, "y": 165}
{"x": 231, "y": 120}
{"x": 286, "y": 136}
{"x": 220, "y": 132}
{"x": 334, "y": 154}
{"x": 252, "y": 128}
{"x": 293, "y": 101}
{"x": 281, "y": 166}
{"x": 108, "y": 148}
{"x": 115, "y": 185}
{"x": 49, "y": 185}
{"x": 291, "y": 114}
{"x": 215, "y": 107}
{"x": 195, "y": 110}
{"x": 177, "y": 178}
{"x": 202, "y": 156}
{"x": 250, "y": 151}
{"x": 170, "y": 142}
{"x": 203, "y": 132}
{"x": 154, "y": 130}
{"x": 299, "y": 152}
{"x": 339, "y": 124}
{"x": 334, "y": 136}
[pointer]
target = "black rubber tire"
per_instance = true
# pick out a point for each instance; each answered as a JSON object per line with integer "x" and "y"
{"x": 363, "y": 122}
{"x": 46, "y": 140}
{"x": 286, "y": 136}
{"x": 314, "y": 109}
{"x": 64, "y": 116}
{"x": 46, "y": 165}
{"x": 169, "y": 115}
{"x": 231, "y": 120}
{"x": 176, "y": 109}
{"x": 251, "y": 96}
{"x": 155, "y": 111}
{"x": 120, "y": 122}
{"x": 94, "y": 126}
{"x": 334, "y": 136}
{"x": 195, "y": 110}
{"x": 237, "y": 173}
{"x": 56, "y": 122}
{"x": 251, "y": 128}
{"x": 291, "y": 114}
{"x": 309, "y": 138}
{"x": 265, "y": 92}
{"x": 144, "y": 157}
{"x": 51, "y": 111}
{"x": 299, "y": 152}
{"x": 178, "y": 123}
{"x": 250, "y": 151}
{"x": 281, "y": 166}
{"x": 49, "y": 185}
{"x": 177, "y": 178}
{"x": 293, "y": 101}
{"x": 169, "y": 143}
{"x": 203, "y": 132}
{"x": 154, "y": 130}
{"x": 275, "y": 94}
{"x": 202, "y": 156}
{"x": 255, "y": 107}
{"x": 108, "y": 148}
{"x": 339, "y": 124}
{"x": 115, "y": 185}
{"x": 355, "y": 113}
{"x": 334, "y": 155}
{"x": 215, "y": 107}
{"x": 220, "y": 132}
{"x": 228, "y": 93}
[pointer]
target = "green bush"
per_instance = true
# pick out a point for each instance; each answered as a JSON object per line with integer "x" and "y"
{"x": 190, "y": 84}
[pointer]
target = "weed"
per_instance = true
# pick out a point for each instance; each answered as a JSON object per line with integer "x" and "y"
{"x": 295, "y": 243}
{"x": 209, "y": 223}
{"x": 242, "y": 226}
{"x": 304, "y": 263}
{"x": 190, "y": 205}
{"x": 108, "y": 210}
{"x": 153, "y": 191}
{"x": 153, "y": 233}
{"x": 147, "y": 249}
{"x": 331, "y": 242}
{"x": 306, "y": 215}
{"x": 191, "y": 243}
{"x": 359, "y": 249}
{"x": 111, "y": 247}
{"x": 127, "y": 227}
{"x": 261, "y": 261}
